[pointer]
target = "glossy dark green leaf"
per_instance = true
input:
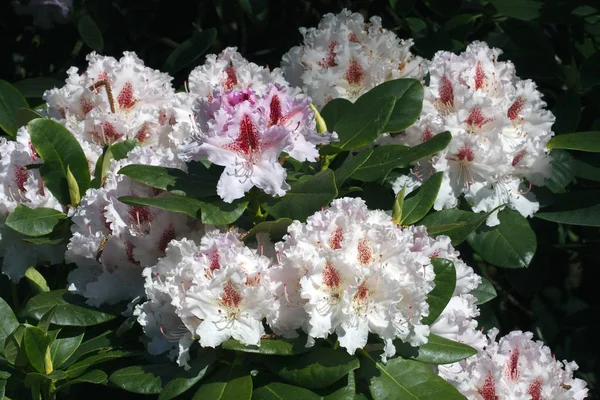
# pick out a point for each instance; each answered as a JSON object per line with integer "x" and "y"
{"x": 402, "y": 379}
{"x": 36, "y": 344}
{"x": 585, "y": 216}
{"x": 456, "y": 224}
{"x": 512, "y": 244}
{"x": 363, "y": 124}
{"x": 34, "y": 221}
{"x": 24, "y": 115}
{"x": 199, "y": 182}
{"x": 407, "y": 108}
{"x": 64, "y": 346}
{"x": 230, "y": 383}
{"x": 351, "y": 164}
{"x": 418, "y": 205}
{"x": 71, "y": 309}
{"x": 437, "y": 350}
{"x": 484, "y": 292}
{"x": 90, "y": 33}
{"x": 81, "y": 366}
{"x": 186, "y": 379}
{"x": 14, "y": 349}
{"x": 305, "y": 197}
{"x": 275, "y": 347}
{"x": 333, "y": 112}
{"x": 283, "y": 391}
{"x": 583, "y": 141}
{"x": 586, "y": 171}
{"x": 525, "y": 10}
{"x": 101, "y": 342}
{"x": 59, "y": 149}
{"x": 275, "y": 229}
{"x": 94, "y": 376}
{"x": 11, "y": 100}
{"x": 445, "y": 282}
{"x": 386, "y": 158}
{"x": 316, "y": 369}
{"x": 143, "y": 379}
{"x": 563, "y": 171}
{"x": 189, "y": 51}
{"x": 35, "y": 87}
{"x": 256, "y": 10}
{"x": 45, "y": 321}
{"x": 9, "y": 322}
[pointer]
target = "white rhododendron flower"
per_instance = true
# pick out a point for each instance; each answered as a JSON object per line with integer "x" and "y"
{"x": 499, "y": 130}
{"x": 230, "y": 70}
{"x": 112, "y": 242}
{"x": 351, "y": 271}
{"x": 516, "y": 367}
{"x": 21, "y": 183}
{"x": 346, "y": 57}
{"x": 457, "y": 320}
{"x": 246, "y": 133}
{"x": 215, "y": 290}
{"x": 114, "y": 100}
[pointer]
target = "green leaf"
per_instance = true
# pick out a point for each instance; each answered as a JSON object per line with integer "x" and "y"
{"x": 59, "y": 149}
{"x": 14, "y": 350}
{"x": 333, "y": 112}
{"x": 83, "y": 365}
{"x": 35, "y": 87}
{"x": 143, "y": 379}
{"x": 583, "y": 141}
{"x": 283, "y": 391}
{"x": 231, "y": 383}
{"x": 71, "y": 309}
{"x": 321, "y": 124}
{"x": 586, "y": 216}
{"x": 63, "y": 347}
{"x": 409, "y": 102}
{"x": 275, "y": 229}
{"x": 36, "y": 281}
{"x": 402, "y": 379}
{"x": 305, "y": 197}
{"x": 44, "y": 322}
{"x": 512, "y": 244}
{"x": 185, "y": 380}
{"x": 484, "y": 292}
{"x": 73, "y": 189}
{"x": 117, "y": 151}
{"x": 563, "y": 171}
{"x": 216, "y": 212}
{"x": 9, "y": 322}
{"x": 100, "y": 342}
{"x": 275, "y": 347}
{"x": 94, "y": 376}
{"x": 34, "y": 221}
{"x": 189, "y": 51}
{"x": 363, "y": 124}
{"x": 398, "y": 204}
{"x": 437, "y": 350}
{"x": 11, "y": 100}
{"x": 418, "y": 205}
{"x": 525, "y": 10}
{"x": 586, "y": 171}
{"x": 24, "y": 115}
{"x": 445, "y": 283}
{"x": 386, "y": 158}
{"x": 90, "y": 33}
{"x": 456, "y": 224}
{"x": 351, "y": 164}
{"x": 256, "y": 10}
{"x": 200, "y": 182}
{"x": 36, "y": 346}
{"x": 316, "y": 369}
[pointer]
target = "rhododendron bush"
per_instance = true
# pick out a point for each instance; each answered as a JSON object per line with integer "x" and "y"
{"x": 366, "y": 212}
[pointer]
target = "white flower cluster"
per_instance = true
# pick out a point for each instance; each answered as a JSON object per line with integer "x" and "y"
{"x": 499, "y": 130}
{"x": 246, "y": 132}
{"x": 345, "y": 57}
{"x": 215, "y": 290}
{"x": 21, "y": 183}
{"x": 516, "y": 367}
{"x": 112, "y": 242}
{"x": 351, "y": 271}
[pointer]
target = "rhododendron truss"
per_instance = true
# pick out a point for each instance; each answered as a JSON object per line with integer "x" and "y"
{"x": 331, "y": 229}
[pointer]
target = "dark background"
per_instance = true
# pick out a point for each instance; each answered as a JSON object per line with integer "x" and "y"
{"x": 556, "y": 43}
